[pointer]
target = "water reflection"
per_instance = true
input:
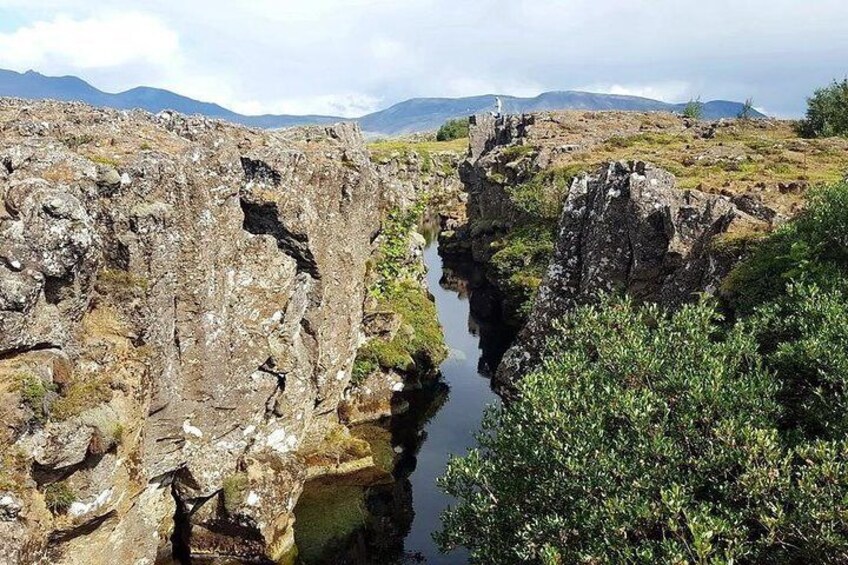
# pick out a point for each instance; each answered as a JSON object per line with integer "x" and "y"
{"x": 344, "y": 523}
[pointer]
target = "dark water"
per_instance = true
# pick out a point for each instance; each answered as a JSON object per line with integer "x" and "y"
{"x": 398, "y": 520}
{"x": 451, "y": 430}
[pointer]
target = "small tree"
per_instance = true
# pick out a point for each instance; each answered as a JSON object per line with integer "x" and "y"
{"x": 453, "y": 129}
{"x": 827, "y": 112}
{"x": 694, "y": 109}
{"x": 747, "y": 111}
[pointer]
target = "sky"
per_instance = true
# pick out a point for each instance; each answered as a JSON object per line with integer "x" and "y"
{"x": 351, "y": 57}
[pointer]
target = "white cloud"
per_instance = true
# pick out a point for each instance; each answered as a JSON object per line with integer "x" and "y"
{"x": 669, "y": 91}
{"x": 345, "y": 56}
{"x": 98, "y": 42}
{"x": 349, "y": 105}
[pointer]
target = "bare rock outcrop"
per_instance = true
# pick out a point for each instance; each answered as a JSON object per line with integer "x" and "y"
{"x": 628, "y": 228}
{"x": 180, "y": 306}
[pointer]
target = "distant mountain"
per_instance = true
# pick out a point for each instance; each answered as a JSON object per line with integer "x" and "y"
{"x": 423, "y": 114}
{"x": 417, "y": 114}
{"x": 34, "y": 85}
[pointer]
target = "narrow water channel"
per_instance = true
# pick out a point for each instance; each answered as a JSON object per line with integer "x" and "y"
{"x": 396, "y": 522}
{"x": 451, "y": 430}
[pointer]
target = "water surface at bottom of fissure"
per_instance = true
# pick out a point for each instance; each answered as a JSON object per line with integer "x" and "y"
{"x": 395, "y": 523}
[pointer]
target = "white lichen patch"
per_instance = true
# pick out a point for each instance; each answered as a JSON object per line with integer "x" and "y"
{"x": 81, "y": 508}
{"x": 282, "y": 442}
{"x": 188, "y": 429}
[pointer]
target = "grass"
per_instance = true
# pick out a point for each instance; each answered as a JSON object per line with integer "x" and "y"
{"x": 385, "y": 149}
{"x": 13, "y": 469}
{"x": 515, "y": 152}
{"x": 59, "y": 497}
{"x": 80, "y": 395}
{"x": 766, "y": 156}
{"x": 33, "y": 392}
{"x": 105, "y": 161}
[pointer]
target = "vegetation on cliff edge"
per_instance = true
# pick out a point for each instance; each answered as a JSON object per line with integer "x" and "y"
{"x": 654, "y": 437}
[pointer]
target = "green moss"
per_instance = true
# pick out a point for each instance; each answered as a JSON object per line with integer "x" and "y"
{"x": 515, "y": 152}
{"x": 79, "y": 396}
{"x": 384, "y": 150}
{"x": 418, "y": 344}
{"x": 380, "y": 440}
{"x": 233, "y": 491}
{"x": 59, "y": 497}
{"x": 326, "y": 516}
{"x": 520, "y": 262}
{"x": 106, "y": 161}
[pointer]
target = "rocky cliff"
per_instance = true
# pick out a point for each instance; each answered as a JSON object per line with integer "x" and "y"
{"x": 627, "y": 228}
{"x": 562, "y": 206}
{"x": 180, "y": 306}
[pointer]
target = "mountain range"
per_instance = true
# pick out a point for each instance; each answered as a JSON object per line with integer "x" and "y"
{"x": 414, "y": 115}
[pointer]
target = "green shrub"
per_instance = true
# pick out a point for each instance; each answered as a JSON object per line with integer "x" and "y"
{"x": 58, "y": 497}
{"x": 648, "y": 438}
{"x": 543, "y": 195}
{"x": 812, "y": 248}
{"x": 694, "y": 109}
{"x": 827, "y": 112}
{"x": 392, "y": 264}
{"x": 453, "y": 129}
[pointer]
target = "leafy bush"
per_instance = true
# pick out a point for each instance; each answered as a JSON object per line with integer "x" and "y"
{"x": 812, "y": 248}
{"x": 827, "y": 112}
{"x": 694, "y": 109}
{"x": 543, "y": 195}
{"x": 650, "y": 437}
{"x": 453, "y": 129}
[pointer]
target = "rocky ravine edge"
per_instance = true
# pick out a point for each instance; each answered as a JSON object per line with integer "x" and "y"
{"x": 180, "y": 306}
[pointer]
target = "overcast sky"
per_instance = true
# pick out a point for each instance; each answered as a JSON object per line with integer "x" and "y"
{"x": 349, "y": 57}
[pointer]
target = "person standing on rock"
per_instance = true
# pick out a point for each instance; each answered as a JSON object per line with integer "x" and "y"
{"x": 498, "y": 106}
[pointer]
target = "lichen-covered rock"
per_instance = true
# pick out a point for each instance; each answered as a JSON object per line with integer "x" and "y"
{"x": 627, "y": 228}
{"x": 204, "y": 284}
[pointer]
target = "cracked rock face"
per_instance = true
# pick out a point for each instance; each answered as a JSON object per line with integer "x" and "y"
{"x": 188, "y": 295}
{"x": 628, "y": 228}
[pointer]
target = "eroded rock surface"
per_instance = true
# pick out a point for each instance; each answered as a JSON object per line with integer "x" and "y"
{"x": 180, "y": 304}
{"x": 627, "y": 228}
